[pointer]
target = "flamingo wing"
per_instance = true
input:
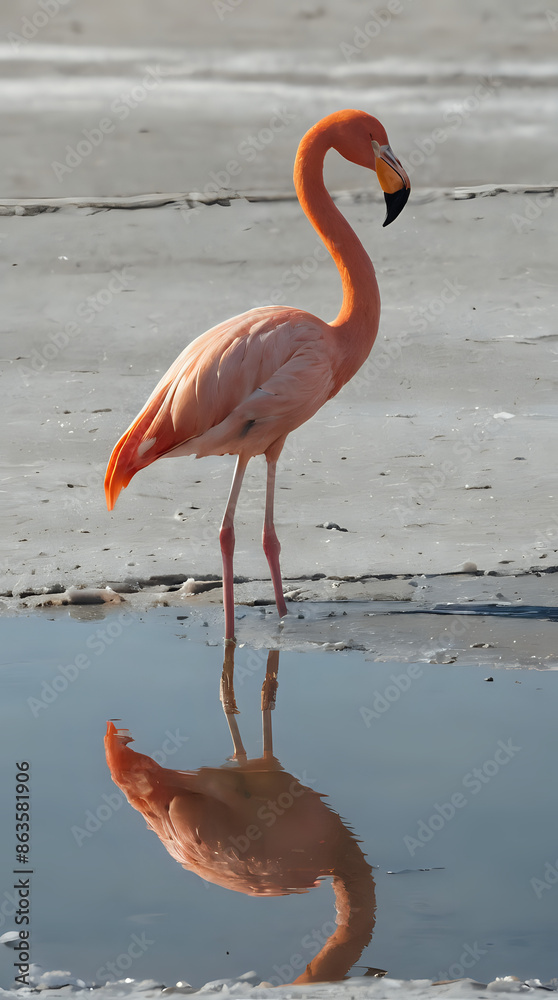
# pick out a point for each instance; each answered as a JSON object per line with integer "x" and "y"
{"x": 237, "y": 389}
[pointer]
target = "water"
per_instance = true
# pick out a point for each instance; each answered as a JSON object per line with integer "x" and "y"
{"x": 390, "y": 746}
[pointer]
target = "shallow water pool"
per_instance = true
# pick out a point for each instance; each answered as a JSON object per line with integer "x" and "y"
{"x": 443, "y": 781}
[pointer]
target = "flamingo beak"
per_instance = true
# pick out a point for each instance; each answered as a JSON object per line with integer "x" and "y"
{"x": 393, "y": 180}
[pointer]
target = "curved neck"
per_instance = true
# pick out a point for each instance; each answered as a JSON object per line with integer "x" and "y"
{"x": 355, "y": 900}
{"x": 361, "y": 297}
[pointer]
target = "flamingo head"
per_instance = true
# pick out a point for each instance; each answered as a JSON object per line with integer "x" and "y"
{"x": 363, "y": 140}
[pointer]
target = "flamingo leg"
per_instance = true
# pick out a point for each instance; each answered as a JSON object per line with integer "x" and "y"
{"x": 269, "y": 694}
{"x": 226, "y": 539}
{"x": 271, "y": 545}
{"x": 228, "y": 702}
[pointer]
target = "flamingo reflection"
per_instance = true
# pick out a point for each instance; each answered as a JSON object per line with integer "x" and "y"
{"x": 251, "y": 826}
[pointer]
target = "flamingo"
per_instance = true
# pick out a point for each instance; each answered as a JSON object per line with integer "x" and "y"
{"x": 252, "y": 827}
{"x": 241, "y": 387}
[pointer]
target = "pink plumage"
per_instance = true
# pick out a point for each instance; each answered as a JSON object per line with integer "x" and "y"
{"x": 241, "y": 387}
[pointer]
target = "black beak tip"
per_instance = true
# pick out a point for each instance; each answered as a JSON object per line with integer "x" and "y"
{"x": 395, "y": 203}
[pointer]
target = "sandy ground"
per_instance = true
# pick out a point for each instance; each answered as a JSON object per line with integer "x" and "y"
{"x": 436, "y": 455}
{"x": 440, "y": 453}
